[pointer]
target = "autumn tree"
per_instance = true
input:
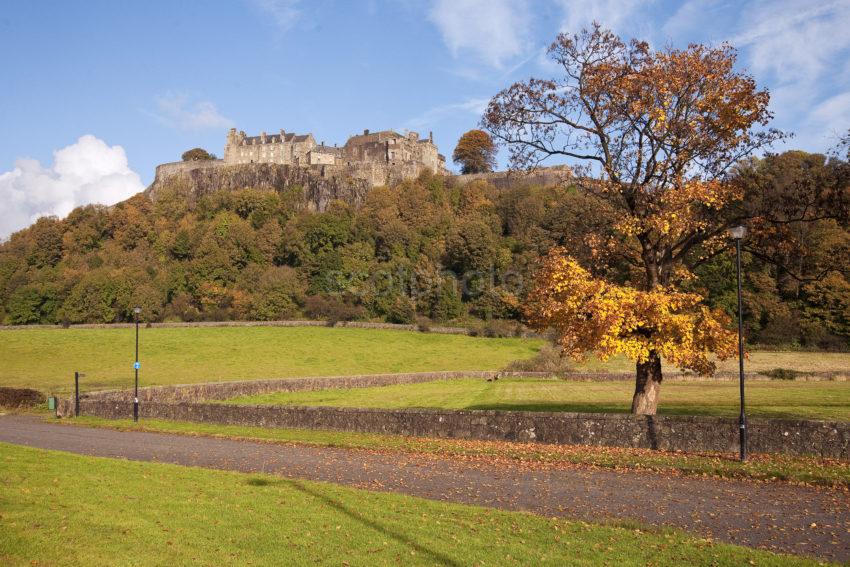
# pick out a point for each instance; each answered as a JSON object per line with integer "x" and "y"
{"x": 655, "y": 134}
{"x": 475, "y": 152}
{"x": 197, "y": 154}
{"x": 592, "y": 314}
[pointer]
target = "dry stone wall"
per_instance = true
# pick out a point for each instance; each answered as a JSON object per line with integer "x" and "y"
{"x": 670, "y": 433}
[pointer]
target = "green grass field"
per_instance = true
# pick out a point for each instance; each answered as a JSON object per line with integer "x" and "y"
{"x": 46, "y": 359}
{"x": 815, "y": 400}
{"x": 72, "y": 510}
{"x": 757, "y": 361}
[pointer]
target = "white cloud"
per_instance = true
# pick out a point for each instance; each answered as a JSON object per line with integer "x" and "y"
{"x": 612, "y": 14}
{"x": 284, "y": 13}
{"x": 801, "y": 53}
{"x": 177, "y": 111}
{"x": 88, "y": 171}
{"x": 694, "y": 17}
{"x": 793, "y": 44}
{"x": 831, "y": 119}
{"x": 474, "y": 106}
{"x": 494, "y": 31}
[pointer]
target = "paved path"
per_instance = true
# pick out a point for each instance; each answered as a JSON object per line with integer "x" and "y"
{"x": 781, "y": 517}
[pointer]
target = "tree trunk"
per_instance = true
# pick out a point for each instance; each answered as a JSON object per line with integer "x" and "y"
{"x": 647, "y": 386}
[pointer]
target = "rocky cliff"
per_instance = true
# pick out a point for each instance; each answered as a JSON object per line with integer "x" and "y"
{"x": 200, "y": 178}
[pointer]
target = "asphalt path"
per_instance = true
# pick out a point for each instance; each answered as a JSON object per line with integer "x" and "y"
{"x": 778, "y": 516}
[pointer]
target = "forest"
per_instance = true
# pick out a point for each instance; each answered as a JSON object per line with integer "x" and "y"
{"x": 424, "y": 251}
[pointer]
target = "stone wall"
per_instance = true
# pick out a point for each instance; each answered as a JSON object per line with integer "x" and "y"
{"x": 166, "y": 170}
{"x": 225, "y": 390}
{"x": 670, "y": 433}
{"x": 543, "y": 176}
{"x": 294, "y": 323}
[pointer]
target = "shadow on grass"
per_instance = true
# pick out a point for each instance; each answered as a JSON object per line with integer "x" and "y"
{"x": 435, "y": 556}
{"x": 560, "y": 407}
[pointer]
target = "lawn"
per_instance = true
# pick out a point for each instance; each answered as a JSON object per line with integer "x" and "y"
{"x": 66, "y": 509}
{"x": 46, "y": 359}
{"x": 814, "y": 400}
{"x": 757, "y": 361}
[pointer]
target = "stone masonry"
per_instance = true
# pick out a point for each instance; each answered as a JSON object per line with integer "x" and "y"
{"x": 378, "y": 158}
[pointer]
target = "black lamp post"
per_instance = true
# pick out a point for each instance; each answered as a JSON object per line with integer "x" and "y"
{"x": 738, "y": 233}
{"x": 136, "y": 365}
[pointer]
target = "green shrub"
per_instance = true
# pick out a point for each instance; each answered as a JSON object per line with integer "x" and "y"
{"x": 548, "y": 359}
{"x": 783, "y": 374}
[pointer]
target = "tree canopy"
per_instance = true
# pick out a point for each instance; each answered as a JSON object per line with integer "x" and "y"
{"x": 475, "y": 152}
{"x": 197, "y": 154}
{"x": 657, "y": 135}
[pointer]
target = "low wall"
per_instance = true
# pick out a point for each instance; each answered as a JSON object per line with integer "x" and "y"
{"x": 225, "y": 390}
{"x": 671, "y": 433}
{"x": 297, "y": 323}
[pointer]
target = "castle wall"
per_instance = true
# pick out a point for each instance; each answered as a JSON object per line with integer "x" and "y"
{"x": 166, "y": 170}
{"x": 543, "y": 176}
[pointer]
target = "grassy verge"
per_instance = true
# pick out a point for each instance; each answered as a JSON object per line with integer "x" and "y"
{"x": 775, "y": 399}
{"x": 74, "y": 510}
{"x": 809, "y": 470}
{"x": 46, "y": 359}
{"x": 757, "y": 361}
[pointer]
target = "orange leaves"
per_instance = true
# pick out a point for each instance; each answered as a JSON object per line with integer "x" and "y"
{"x": 591, "y": 315}
{"x": 671, "y": 214}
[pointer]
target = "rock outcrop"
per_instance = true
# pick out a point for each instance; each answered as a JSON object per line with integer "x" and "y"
{"x": 200, "y": 178}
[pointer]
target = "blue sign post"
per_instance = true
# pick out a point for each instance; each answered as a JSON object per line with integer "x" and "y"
{"x": 136, "y": 366}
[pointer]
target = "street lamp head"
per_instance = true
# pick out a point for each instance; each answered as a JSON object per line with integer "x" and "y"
{"x": 137, "y": 310}
{"x": 738, "y": 232}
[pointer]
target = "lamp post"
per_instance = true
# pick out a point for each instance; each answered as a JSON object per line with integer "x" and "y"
{"x": 136, "y": 365}
{"x": 738, "y": 233}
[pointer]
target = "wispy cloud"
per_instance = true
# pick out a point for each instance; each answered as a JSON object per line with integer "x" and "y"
{"x": 88, "y": 171}
{"x": 612, "y": 14}
{"x": 695, "y": 17}
{"x": 493, "y": 31}
{"x": 791, "y": 43}
{"x": 178, "y": 111}
{"x": 801, "y": 53}
{"x": 283, "y": 13}
{"x": 471, "y": 106}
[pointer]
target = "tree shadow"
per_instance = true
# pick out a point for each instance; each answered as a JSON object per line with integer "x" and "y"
{"x": 553, "y": 407}
{"x": 651, "y": 432}
{"x": 436, "y": 556}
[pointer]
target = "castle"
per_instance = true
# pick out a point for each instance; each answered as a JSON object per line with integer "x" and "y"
{"x": 381, "y": 158}
{"x": 326, "y": 173}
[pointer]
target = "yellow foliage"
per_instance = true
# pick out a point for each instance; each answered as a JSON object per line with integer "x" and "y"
{"x": 592, "y": 315}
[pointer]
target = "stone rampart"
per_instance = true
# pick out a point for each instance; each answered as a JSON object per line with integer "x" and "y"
{"x": 543, "y": 176}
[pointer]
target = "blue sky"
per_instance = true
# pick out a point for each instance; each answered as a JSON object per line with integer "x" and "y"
{"x": 96, "y": 93}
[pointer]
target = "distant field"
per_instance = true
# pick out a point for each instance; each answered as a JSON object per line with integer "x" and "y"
{"x": 63, "y": 509}
{"x": 47, "y": 358}
{"x": 814, "y": 400}
{"x": 757, "y": 361}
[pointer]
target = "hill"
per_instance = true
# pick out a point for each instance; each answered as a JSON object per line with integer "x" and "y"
{"x": 259, "y": 242}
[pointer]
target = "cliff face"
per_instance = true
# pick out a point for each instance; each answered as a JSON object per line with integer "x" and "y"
{"x": 203, "y": 177}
